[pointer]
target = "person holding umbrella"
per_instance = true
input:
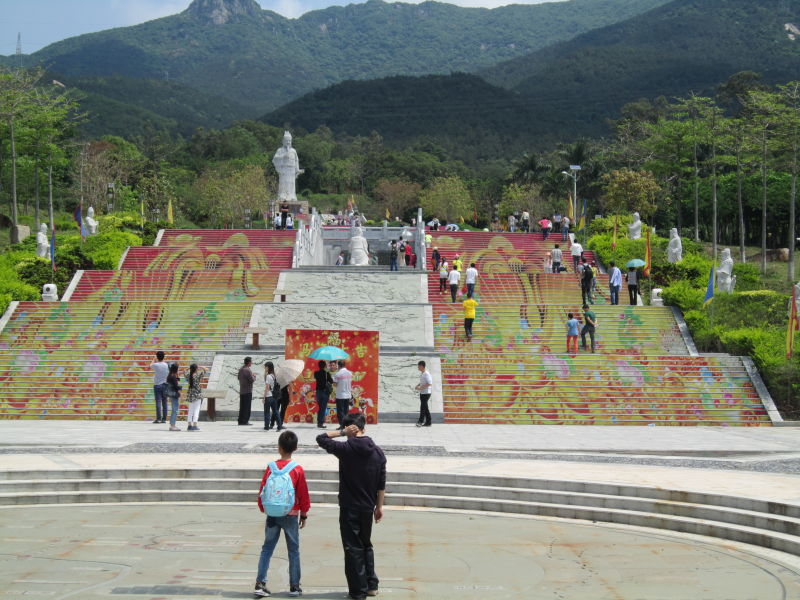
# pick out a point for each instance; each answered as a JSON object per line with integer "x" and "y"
{"x": 632, "y": 277}
{"x": 322, "y": 393}
{"x": 344, "y": 392}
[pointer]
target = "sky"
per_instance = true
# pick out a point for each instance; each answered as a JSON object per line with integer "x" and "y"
{"x": 42, "y": 22}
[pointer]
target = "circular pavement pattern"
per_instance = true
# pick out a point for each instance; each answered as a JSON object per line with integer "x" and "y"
{"x": 177, "y": 552}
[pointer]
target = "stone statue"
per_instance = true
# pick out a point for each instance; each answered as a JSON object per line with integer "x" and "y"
{"x": 42, "y": 243}
{"x": 726, "y": 280}
{"x": 49, "y": 292}
{"x": 635, "y": 228}
{"x": 359, "y": 249}
{"x": 91, "y": 222}
{"x": 288, "y": 167}
{"x": 675, "y": 247}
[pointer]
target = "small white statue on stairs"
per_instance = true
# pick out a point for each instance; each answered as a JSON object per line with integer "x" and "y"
{"x": 42, "y": 243}
{"x": 675, "y": 247}
{"x": 726, "y": 280}
{"x": 635, "y": 228}
{"x": 91, "y": 223}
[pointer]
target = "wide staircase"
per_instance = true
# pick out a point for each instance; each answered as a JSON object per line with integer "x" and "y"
{"x": 191, "y": 296}
{"x": 516, "y": 368}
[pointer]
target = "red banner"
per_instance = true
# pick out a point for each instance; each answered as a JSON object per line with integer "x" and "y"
{"x": 363, "y": 348}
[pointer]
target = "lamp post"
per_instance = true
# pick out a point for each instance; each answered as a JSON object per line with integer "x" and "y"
{"x": 573, "y": 174}
{"x": 110, "y": 197}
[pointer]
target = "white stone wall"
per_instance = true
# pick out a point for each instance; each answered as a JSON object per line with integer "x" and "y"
{"x": 348, "y": 287}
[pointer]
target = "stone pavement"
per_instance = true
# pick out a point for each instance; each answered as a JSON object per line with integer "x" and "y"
{"x": 199, "y": 551}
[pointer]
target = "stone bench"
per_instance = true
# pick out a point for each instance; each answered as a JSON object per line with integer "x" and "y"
{"x": 212, "y": 396}
{"x": 256, "y": 333}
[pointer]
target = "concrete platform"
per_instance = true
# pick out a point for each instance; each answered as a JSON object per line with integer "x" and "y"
{"x": 188, "y": 550}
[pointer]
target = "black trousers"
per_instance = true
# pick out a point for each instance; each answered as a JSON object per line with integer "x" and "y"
{"x": 424, "y": 411}
{"x": 468, "y": 326}
{"x": 342, "y": 408}
{"x": 453, "y": 291}
{"x": 590, "y": 330}
{"x": 442, "y": 284}
{"x": 245, "y": 401}
{"x": 633, "y": 290}
{"x": 355, "y": 527}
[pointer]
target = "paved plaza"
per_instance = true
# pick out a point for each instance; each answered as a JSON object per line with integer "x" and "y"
{"x": 176, "y": 551}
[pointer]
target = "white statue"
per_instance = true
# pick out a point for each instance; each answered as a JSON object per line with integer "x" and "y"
{"x": 91, "y": 222}
{"x": 49, "y": 292}
{"x": 635, "y": 228}
{"x": 726, "y": 280}
{"x": 42, "y": 243}
{"x": 359, "y": 250}
{"x": 288, "y": 167}
{"x": 675, "y": 247}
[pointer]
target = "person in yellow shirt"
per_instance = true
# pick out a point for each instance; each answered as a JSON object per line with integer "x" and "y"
{"x": 458, "y": 264}
{"x": 469, "y": 314}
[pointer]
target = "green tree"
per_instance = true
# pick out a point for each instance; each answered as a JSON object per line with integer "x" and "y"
{"x": 397, "y": 196}
{"x": 630, "y": 191}
{"x": 447, "y": 198}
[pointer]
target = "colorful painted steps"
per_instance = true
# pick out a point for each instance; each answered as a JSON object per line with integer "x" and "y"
{"x": 179, "y": 286}
{"x": 541, "y": 328}
{"x": 557, "y": 389}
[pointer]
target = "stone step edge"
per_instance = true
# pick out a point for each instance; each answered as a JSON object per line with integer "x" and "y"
{"x": 773, "y": 522}
{"x": 740, "y": 533}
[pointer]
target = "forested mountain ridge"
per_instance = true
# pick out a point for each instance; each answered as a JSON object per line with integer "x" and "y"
{"x": 571, "y": 89}
{"x": 261, "y": 60}
{"x": 681, "y": 47}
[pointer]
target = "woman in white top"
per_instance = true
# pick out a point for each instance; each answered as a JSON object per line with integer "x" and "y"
{"x": 443, "y": 275}
{"x": 270, "y": 401}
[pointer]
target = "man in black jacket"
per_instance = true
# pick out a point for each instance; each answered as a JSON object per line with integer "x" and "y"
{"x": 362, "y": 482}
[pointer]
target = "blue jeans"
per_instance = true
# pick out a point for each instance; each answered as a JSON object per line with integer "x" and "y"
{"x": 175, "y": 401}
{"x": 564, "y": 233}
{"x": 160, "y": 395}
{"x": 614, "y": 289}
{"x": 272, "y": 531}
{"x": 272, "y": 405}
{"x": 471, "y": 289}
{"x": 393, "y": 264}
{"x": 322, "y": 397}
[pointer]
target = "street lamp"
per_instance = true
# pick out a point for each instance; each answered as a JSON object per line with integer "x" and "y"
{"x": 110, "y": 197}
{"x": 573, "y": 174}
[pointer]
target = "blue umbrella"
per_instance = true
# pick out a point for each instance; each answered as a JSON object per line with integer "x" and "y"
{"x": 329, "y": 353}
{"x": 636, "y": 262}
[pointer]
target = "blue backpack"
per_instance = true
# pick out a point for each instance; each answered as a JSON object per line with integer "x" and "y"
{"x": 277, "y": 497}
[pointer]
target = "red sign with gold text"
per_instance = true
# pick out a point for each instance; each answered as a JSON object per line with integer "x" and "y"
{"x": 363, "y": 348}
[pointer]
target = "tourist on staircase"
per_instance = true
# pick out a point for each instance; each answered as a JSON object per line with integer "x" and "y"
{"x": 546, "y": 226}
{"x": 436, "y": 257}
{"x": 453, "y": 278}
{"x": 589, "y": 324}
{"x": 614, "y": 282}
{"x": 632, "y": 277}
{"x": 443, "y": 275}
{"x": 587, "y": 281}
{"x": 471, "y": 278}
{"x": 557, "y": 258}
{"x": 576, "y": 250}
{"x": 526, "y": 222}
{"x": 195, "y": 398}
{"x": 469, "y": 314}
{"x": 548, "y": 262}
{"x": 565, "y": 222}
{"x": 572, "y": 334}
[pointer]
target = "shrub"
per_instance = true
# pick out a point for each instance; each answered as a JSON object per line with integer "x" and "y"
{"x": 105, "y": 249}
{"x": 747, "y": 277}
{"x": 5, "y": 300}
{"x": 684, "y": 295}
{"x": 37, "y": 271}
{"x": 761, "y": 308}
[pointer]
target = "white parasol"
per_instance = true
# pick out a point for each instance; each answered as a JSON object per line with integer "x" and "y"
{"x": 286, "y": 371}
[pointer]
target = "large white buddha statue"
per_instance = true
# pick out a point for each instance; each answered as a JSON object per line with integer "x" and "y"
{"x": 635, "y": 228}
{"x": 91, "y": 223}
{"x": 42, "y": 243}
{"x": 726, "y": 280}
{"x": 287, "y": 164}
{"x": 359, "y": 249}
{"x": 675, "y": 247}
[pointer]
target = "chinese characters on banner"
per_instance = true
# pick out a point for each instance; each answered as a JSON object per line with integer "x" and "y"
{"x": 363, "y": 348}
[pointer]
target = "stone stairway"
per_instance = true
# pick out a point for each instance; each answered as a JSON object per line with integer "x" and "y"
{"x": 773, "y": 525}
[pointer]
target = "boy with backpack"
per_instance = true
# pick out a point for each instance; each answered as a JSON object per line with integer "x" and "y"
{"x": 283, "y": 496}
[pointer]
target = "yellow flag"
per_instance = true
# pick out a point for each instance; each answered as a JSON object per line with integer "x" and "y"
{"x": 614, "y": 239}
{"x": 388, "y": 216}
{"x": 170, "y": 218}
{"x": 570, "y": 210}
{"x": 461, "y": 220}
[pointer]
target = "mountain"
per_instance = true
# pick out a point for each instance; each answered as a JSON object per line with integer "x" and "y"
{"x": 683, "y": 46}
{"x": 474, "y": 120}
{"x": 261, "y": 60}
{"x": 571, "y": 89}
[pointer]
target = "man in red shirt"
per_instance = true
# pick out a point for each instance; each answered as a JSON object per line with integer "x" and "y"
{"x": 290, "y": 524}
